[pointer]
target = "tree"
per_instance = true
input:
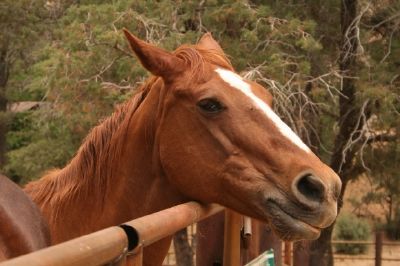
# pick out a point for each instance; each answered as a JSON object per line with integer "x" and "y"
{"x": 349, "y": 125}
{"x": 19, "y": 22}
{"x": 331, "y": 68}
{"x": 357, "y": 105}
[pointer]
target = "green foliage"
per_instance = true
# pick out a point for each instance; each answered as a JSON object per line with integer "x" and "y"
{"x": 72, "y": 55}
{"x": 20, "y": 133}
{"x": 73, "y": 52}
{"x": 350, "y": 227}
{"x": 83, "y": 58}
{"x": 37, "y": 143}
{"x": 392, "y": 228}
{"x": 17, "y": 18}
{"x": 385, "y": 177}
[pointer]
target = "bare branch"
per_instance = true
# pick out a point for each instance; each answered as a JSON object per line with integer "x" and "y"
{"x": 294, "y": 105}
{"x": 397, "y": 15}
{"x": 390, "y": 44}
{"x": 357, "y": 135}
{"x": 384, "y": 137}
{"x": 110, "y": 85}
{"x": 352, "y": 34}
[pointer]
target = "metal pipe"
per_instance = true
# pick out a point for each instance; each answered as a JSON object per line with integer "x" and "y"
{"x": 137, "y": 258}
{"x": 121, "y": 260}
{"x": 108, "y": 244}
{"x": 159, "y": 225}
{"x": 247, "y": 232}
{"x": 94, "y": 249}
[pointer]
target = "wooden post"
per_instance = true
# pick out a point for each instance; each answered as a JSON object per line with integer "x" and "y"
{"x": 233, "y": 224}
{"x": 210, "y": 241}
{"x": 300, "y": 257}
{"x": 269, "y": 240}
{"x": 378, "y": 248}
{"x": 287, "y": 260}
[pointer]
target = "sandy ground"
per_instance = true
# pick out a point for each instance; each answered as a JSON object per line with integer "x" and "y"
{"x": 388, "y": 252}
{"x": 356, "y": 262}
{"x": 354, "y": 192}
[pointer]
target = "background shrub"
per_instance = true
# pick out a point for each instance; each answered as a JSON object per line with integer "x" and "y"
{"x": 350, "y": 227}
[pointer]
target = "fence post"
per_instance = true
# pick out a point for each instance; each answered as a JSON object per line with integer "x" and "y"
{"x": 233, "y": 224}
{"x": 288, "y": 253}
{"x": 378, "y": 248}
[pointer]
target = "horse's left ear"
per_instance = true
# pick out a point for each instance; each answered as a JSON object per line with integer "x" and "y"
{"x": 156, "y": 60}
{"x": 207, "y": 42}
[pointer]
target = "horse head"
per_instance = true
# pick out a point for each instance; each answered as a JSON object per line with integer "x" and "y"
{"x": 218, "y": 140}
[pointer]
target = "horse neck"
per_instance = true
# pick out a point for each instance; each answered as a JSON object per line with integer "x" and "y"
{"x": 98, "y": 190}
{"x": 147, "y": 189}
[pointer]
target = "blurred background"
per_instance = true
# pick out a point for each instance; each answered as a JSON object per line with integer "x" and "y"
{"x": 332, "y": 66}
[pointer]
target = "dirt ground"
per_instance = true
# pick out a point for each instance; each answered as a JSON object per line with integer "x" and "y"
{"x": 376, "y": 212}
{"x": 389, "y": 252}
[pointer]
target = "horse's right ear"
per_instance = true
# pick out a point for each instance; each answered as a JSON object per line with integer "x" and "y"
{"x": 156, "y": 60}
{"x": 207, "y": 42}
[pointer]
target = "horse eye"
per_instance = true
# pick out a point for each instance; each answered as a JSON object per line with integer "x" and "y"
{"x": 210, "y": 106}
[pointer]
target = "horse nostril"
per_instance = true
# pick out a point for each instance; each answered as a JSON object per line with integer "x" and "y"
{"x": 311, "y": 187}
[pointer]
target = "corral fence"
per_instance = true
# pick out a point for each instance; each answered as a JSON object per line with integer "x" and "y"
{"x": 112, "y": 245}
{"x": 380, "y": 252}
{"x": 378, "y": 245}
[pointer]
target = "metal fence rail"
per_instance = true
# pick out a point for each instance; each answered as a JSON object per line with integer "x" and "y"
{"x": 110, "y": 245}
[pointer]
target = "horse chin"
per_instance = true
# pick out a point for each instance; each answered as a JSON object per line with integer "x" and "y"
{"x": 289, "y": 228}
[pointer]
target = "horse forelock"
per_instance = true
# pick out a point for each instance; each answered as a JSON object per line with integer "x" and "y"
{"x": 196, "y": 58}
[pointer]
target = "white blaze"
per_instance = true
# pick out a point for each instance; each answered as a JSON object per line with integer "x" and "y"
{"x": 238, "y": 83}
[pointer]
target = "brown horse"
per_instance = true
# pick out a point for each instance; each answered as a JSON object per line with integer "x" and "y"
{"x": 22, "y": 227}
{"x": 194, "y": 131}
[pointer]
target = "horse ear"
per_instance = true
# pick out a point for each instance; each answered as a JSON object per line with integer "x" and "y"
{"x": 156, "y": 60}
{"x": 207, "y": 42}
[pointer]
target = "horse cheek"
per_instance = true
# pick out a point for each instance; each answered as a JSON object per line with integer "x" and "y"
{"x": 189, "y": 166}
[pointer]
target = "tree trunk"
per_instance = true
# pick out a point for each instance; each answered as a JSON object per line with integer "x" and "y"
{"x": 321, "y": 249}
{"x": 183, "y": 251}
{"x": 4, "y": 73}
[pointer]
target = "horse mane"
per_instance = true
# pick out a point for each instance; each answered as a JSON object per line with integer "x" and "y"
{"x": 89, "y": 172}
{"x": 92, "y": 159}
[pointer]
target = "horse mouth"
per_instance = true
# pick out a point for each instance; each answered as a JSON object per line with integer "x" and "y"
{"x": 288, "y": 227}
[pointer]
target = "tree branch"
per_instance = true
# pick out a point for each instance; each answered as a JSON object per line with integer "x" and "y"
{"x": 384, "y": 137}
